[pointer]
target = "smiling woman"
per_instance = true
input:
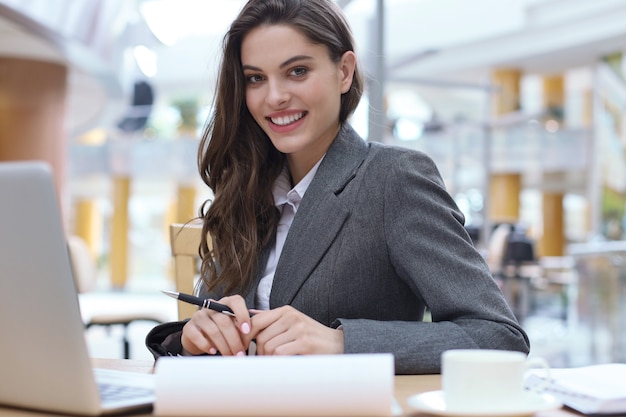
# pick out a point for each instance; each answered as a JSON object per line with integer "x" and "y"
{"x": 336, "y": 245}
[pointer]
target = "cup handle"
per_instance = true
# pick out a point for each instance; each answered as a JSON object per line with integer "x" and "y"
{"x": 540, "y": 363}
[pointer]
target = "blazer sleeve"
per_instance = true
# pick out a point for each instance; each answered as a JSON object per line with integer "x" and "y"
{"x": 164, "y": 339}
{"x": 431, "y": 251}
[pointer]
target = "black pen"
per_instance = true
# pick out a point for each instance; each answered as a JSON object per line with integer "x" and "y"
{"x": 202, "y": 302}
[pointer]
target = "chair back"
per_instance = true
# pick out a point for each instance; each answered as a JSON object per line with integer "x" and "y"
{"x": 185, "y": 243}
{"x": 83, "y": 264}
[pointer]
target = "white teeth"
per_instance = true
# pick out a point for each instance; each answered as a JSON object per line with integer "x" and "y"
{"x": 285, "y": 120}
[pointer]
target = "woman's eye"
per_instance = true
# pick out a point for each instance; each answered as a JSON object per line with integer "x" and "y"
{"x": 254, "y": 78}
{"x": 299, "y": 71}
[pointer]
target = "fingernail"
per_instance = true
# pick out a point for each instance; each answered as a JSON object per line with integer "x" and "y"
{"x": 242, "y": 353}
{"x": 212, "y": 351}
{"x": 245, "y": 328}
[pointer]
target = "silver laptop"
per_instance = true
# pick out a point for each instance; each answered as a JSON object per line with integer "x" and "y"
{"x": 44, "y": 359}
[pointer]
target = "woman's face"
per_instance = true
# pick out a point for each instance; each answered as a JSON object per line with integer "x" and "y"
{"x": 293, "y": 90}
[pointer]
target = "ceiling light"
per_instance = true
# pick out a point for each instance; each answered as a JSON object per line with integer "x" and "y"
{"x": 146, "y": 60}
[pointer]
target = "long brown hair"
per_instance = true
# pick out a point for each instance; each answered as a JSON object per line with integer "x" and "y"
{"x": 237, "y": 160}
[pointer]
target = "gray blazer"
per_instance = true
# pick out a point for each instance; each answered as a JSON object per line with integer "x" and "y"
{"x": 377, "y": 240}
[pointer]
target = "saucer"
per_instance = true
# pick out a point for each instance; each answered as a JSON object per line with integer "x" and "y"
{"x": 433, "y": 403}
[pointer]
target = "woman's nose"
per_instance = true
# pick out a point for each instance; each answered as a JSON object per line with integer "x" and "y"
{"x": 277, "y": 95}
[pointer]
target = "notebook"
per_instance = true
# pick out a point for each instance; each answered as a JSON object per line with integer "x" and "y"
{"x": 594, "y": 389}
{"x": 44, "y": 359}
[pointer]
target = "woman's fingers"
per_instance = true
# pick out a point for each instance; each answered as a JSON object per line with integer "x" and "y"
{"x": 282, "y": 331}
{"x": 210, "y": 332}
{"x": 224, "y": 334}
{"x": 286, "y": 331}
{"x": 194, "y": 338}
{"x": 242, "y": 314}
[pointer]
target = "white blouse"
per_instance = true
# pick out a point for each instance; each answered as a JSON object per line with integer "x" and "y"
{"x": 287, "y": 200}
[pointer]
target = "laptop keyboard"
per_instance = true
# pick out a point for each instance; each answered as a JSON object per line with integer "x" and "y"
{"x": 121, "y": 387}
{"x": 113, "y": 392}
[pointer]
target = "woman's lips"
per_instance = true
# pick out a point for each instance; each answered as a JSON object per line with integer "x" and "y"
{"x": 286, "y": 122}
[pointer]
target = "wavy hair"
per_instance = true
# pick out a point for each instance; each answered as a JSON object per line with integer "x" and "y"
{"x": 237, "y": 160}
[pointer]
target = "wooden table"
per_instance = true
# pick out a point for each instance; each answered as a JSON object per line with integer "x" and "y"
{"x": 405, "y": 386}
{"x": 409, "y": 385}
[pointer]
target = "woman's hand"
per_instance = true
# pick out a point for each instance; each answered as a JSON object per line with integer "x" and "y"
{"x": 286, "y": 331}
{"x": 210, "y": 332}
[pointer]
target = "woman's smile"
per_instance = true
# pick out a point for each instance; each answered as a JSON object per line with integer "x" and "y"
{"x": 286, "y": 121}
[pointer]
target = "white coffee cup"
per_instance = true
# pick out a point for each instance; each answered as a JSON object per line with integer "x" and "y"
{"x": 484, "y": 380}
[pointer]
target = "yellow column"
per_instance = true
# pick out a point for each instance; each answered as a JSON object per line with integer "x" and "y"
{"x": 553, "y": 241}
{"x": 504, "y": 191}
{"x": 507, "y": 99}
{"x": 553, "y": 97}
{"x": 553, "y": 238}
{"x": 87, "y": 223}
{"x": 505, "y": 187}
{"x": 119, "y": 232}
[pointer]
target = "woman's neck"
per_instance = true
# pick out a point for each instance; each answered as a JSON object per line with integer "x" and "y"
{"x": 300, "y": 163}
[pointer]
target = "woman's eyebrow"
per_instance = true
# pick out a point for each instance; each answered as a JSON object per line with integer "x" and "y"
{"x": 295, "y": 59}
{"x": 250, "y": 67}
{"x": 283, "y": 65}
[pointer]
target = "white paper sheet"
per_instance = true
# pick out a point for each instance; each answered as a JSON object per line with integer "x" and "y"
{"x": 318, "y": 385}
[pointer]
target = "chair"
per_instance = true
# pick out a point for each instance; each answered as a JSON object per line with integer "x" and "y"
{"x": 512, "y": 261}
{"x": 185, "y": 243}
{"x": 558, "y": 277}
{"x": 105, "y": 308}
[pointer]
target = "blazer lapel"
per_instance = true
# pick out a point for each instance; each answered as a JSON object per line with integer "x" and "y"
{"x": 320, "y": 216}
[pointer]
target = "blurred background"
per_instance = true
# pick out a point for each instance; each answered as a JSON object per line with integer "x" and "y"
{"x": 520, "y": 103}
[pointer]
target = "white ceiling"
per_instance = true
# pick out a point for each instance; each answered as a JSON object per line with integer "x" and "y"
{"x": 444, "y": 47}
{"x": 547, "y": 37}
{"x": 446, "y": 38}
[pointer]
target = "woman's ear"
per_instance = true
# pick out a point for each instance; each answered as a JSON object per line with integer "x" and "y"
{"x": 347, "y": 66}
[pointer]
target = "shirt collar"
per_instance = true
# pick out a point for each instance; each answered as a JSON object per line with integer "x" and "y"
{"x": 282, "y": 191}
